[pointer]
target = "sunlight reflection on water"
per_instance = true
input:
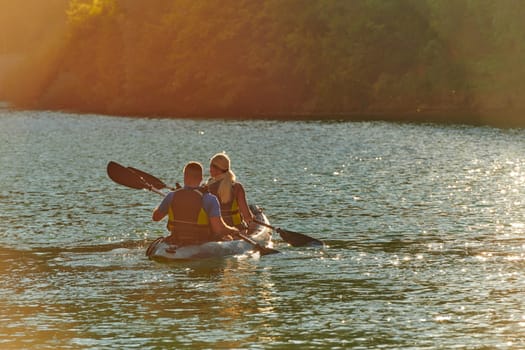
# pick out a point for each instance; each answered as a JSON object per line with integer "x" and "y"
{"x": 424, "y": 226}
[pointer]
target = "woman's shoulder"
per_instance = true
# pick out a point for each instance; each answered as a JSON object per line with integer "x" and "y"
{"x": 238, "y": 188}
{"x": 237, "y": 184}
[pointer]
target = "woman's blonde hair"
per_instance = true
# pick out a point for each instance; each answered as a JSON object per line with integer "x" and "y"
{"x": 222, "y": 162}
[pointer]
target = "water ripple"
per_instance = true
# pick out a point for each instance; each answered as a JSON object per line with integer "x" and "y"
{"x": 423, "y": 226}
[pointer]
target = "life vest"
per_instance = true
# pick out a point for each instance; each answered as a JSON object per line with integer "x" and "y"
{"x": 230, "y": 210}
{"x": 187, "y": 220}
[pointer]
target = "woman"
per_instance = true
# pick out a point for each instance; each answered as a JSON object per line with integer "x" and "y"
{"x": 231, "y": 195}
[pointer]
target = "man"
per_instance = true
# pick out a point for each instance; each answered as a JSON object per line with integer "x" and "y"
{"x": 194, "y": 215}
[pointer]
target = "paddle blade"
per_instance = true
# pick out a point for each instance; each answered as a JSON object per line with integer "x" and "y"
{"x": 124, "y": 176}
{"x": 266, "y": 251}
{"x": 297, "y": 239}
{"x": 152, "y": 180}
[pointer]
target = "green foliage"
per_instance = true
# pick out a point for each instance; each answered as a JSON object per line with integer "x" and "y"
{"x": 285, "y": 57}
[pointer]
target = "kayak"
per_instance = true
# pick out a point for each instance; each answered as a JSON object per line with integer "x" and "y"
{"x": 259, "y": 234}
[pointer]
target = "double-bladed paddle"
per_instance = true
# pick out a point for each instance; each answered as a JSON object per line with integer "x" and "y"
{"x": 295, "y": 239}
{"x": 137, "y": 179}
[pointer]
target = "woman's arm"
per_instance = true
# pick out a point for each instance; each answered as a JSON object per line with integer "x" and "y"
{"x": 243, "y": 204}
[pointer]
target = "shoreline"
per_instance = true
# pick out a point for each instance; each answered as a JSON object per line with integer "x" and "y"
{"x": 497, "y": 118}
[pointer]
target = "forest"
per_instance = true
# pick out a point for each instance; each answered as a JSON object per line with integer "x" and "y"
{"x": 457, "y": 61}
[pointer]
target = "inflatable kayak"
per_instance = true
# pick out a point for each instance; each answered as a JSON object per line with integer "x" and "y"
{"x": 258, "y": 238}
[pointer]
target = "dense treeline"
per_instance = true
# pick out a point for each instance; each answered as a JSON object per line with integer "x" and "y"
{"x": 245, "y": 58}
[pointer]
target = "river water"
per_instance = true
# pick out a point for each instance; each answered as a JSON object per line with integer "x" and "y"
{"x": 424, "y": 227}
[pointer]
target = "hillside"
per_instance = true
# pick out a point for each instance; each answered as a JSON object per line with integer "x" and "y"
{"x": 449, "y": 61}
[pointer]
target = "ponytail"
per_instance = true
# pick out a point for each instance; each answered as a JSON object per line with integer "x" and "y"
{"x": 225, "y": 191}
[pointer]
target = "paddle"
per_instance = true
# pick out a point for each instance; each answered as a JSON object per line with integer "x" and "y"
{"x": 155, "y": 182}
{"x": 130, "y": 177}
{"x": 262, "y": 250}
{"x": 295, "y": 239}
